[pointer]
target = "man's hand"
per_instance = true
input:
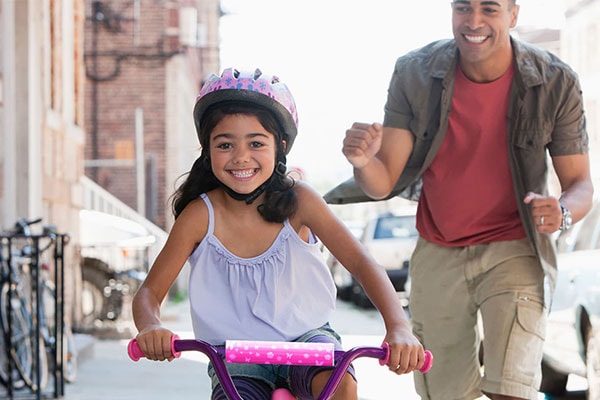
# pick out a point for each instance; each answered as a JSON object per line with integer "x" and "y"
{"x": 362, "y": 142}
{"x": 545, "y": 211}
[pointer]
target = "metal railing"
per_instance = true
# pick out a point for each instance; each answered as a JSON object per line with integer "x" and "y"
{"x": 32, "y": 359}
{"x": 97, "y": 198}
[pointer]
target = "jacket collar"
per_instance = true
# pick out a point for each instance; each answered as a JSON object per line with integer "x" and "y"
{"x": 526, "y": 56}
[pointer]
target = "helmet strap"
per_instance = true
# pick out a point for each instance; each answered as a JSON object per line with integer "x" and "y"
{"x": 247, "y": 197}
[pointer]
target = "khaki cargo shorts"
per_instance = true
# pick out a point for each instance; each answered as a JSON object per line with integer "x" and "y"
{"x": 502, "y": 282}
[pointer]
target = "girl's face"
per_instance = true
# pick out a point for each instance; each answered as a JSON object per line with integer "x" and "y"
{"x": 242, "y": 152}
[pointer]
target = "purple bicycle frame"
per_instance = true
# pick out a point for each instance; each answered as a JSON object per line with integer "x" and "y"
{"x": 216, "y": 356}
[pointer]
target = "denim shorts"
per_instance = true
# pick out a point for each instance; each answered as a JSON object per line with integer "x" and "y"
{"x": 490, "y": 293}
{"x": 276, "y": 376}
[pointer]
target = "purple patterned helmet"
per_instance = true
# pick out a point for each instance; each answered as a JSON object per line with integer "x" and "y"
{"x": 252, "y": 87}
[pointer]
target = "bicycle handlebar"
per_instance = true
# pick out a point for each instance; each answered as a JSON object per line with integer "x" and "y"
{"x": 135, "y": 352}
{"x": 22, "y": 225}
{"x": 285, "y": 353}
{"x": 271, "y": 352}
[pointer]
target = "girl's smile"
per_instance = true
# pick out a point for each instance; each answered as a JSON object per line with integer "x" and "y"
{"x": 242, "y": 152}
{"x": 243, "y": 174}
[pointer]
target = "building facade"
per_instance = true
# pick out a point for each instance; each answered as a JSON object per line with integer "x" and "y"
{"x": 41, "y": 118}
{"x": 579, "y": 43}
{"x": 145, "y": 61}
{"x": 52, "y": 125}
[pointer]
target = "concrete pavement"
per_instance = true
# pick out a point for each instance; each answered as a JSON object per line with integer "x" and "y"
{"x": 108, "y": 373}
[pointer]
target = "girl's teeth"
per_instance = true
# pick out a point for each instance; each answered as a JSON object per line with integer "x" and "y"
{"x": 242, "y": 174}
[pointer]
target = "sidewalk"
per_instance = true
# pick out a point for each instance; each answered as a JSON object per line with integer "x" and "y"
{"x": 108, "y": 373}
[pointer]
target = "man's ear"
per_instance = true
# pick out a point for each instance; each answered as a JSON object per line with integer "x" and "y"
{"x": 514, "y": 15}
{"x": 284, "y": 143}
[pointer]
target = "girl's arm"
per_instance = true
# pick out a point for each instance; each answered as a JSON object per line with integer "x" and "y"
{"x": 406, "y": 353}
{"x": 188, "y": 230}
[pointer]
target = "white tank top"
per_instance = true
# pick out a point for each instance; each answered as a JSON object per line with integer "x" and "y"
{"x": 277, "y": 296}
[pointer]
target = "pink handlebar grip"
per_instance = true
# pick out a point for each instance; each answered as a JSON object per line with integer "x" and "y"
{"x": 426, "y": 365}
{"x": 284, "y": 353}
{"x": 135, "y": 352}
{"x": 428, "y": 362}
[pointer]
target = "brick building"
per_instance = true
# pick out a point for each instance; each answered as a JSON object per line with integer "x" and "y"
{"x": 41, "y": 119}
{"x": 145, "y": 61}
{"x": 161, "y": 48}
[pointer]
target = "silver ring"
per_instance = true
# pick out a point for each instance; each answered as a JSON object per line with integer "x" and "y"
{"x": 542, "y": 220}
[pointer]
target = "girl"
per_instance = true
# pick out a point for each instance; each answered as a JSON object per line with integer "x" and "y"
{"x": 249, "y": 233}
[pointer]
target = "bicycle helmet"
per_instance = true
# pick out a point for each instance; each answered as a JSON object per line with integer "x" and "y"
{"x": 252, "y": 87}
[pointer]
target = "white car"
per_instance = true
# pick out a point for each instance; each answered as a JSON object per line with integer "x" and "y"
{"x": 573, "y": 332}
{"x": 390, "y": 238}
{"x": 341, "y": 277}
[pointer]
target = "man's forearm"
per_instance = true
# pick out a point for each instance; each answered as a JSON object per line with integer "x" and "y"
{"x": 374, "y": 180}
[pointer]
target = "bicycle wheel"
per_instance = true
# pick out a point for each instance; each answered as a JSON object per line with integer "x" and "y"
{"x": 4, "y": 356}
{"x": 70, "y": 365}
{"x": 19, "y": 342}
{"x": 22, "y": 355}
{"x": 69, "y": 351}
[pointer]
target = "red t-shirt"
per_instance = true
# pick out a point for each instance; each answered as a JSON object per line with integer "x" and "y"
{"x": 468, "y": 196}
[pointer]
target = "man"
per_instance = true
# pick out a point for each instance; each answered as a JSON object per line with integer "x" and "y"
{"x": 468, "y": 123}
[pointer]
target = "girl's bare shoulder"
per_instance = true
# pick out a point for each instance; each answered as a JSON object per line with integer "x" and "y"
{"x": 305, "y": 192}
{"x": 193, "y": 220}
{"x": 310, "y": 203}
{"x": 196, "y": 207}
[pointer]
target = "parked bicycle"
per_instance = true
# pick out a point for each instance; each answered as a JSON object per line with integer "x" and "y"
{"x": 67, "y": 349}
{"x": 287, "y": 353}
{"x": 30, "y": 307}
{"x": 21, "y": 364}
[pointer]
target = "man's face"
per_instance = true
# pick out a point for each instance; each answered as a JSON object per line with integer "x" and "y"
{"x": 481, "y": 28}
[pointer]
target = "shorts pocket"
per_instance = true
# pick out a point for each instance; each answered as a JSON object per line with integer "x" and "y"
{"x": 525, "y": 346}
{"x": 531, "y": 316}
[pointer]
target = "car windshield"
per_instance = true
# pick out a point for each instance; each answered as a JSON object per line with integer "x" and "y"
{"x": 395, "y": 227}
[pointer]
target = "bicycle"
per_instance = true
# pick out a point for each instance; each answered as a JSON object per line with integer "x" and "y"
{"x": 17, "y": 320}
{"x": 51, "y": 307}
{"x": 68, "y": 348}
{"x": 34, "y": 306}
{"x": 269, "y": 352}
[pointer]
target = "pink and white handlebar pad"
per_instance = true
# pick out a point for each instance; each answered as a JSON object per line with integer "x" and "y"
{"x": 282, "y": 353}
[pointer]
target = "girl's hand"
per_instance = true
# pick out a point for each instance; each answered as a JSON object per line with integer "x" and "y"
{"x": 155, "y": 342}
{"x": 406, "y": 352}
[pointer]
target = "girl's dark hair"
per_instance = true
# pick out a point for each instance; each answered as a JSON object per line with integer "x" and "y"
{"x": 280, "y": 200}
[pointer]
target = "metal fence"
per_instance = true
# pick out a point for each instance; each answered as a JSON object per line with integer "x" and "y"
{"x": 33, "y": 353}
